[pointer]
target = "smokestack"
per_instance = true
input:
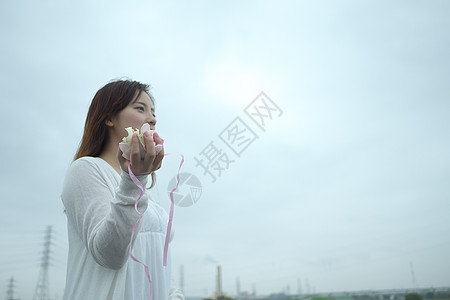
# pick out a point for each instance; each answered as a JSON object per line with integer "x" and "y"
{"x": 182, "y": 278}
{"x": 238, "y": 287}
{"x": 219, "y": 281}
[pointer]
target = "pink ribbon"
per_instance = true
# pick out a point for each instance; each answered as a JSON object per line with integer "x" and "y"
{"x": 141, "y": 187}
{"x": 169, "y": 225}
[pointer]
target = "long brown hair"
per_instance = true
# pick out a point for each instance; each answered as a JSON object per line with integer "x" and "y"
{"x": 107, "y": 103}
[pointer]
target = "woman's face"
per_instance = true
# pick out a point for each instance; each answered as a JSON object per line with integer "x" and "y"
{"x": 137, "y": 112}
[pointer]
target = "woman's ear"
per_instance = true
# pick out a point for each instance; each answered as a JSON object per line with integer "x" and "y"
{"x": 109, "y": 123}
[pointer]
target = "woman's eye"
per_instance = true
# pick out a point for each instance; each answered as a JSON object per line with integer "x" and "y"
{"x": 140, "y": 108}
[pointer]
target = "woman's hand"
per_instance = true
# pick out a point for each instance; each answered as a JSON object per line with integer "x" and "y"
{"x": 143, "y": 161}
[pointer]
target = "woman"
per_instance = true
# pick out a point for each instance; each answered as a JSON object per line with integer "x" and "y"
{"x": 99, "y": 198}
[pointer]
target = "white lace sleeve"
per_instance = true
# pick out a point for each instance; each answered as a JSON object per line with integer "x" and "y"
{"x": 103, "y": 221}
{"x": 175, "y": 294}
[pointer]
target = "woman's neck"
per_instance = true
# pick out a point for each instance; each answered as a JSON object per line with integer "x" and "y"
{"x": 109, "y": 155}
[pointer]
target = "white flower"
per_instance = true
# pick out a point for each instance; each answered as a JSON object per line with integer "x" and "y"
{"x": 125, "y": 145}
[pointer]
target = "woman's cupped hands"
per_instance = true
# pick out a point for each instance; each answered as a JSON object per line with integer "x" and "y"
{"x": 144, "y": 158}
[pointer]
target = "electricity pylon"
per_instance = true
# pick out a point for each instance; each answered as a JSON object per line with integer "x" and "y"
{"x": 10, "y": 290}
{"x": 42, "y": 288}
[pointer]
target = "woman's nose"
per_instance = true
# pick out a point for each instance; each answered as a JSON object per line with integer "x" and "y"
{"x": 152, "y": 121}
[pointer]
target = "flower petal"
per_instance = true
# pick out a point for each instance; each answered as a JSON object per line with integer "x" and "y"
{"x": 127, "y": 139}
{"x": 126, "y": 149}
{"x": 145, "y": 127}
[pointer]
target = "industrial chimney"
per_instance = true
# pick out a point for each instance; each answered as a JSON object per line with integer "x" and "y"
{"x": 219, "y": 292}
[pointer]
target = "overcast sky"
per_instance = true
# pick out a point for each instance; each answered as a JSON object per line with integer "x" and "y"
{"x": 342, "y": 191}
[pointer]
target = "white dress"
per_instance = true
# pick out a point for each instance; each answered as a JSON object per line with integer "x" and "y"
{"x": 100, "y": 213}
